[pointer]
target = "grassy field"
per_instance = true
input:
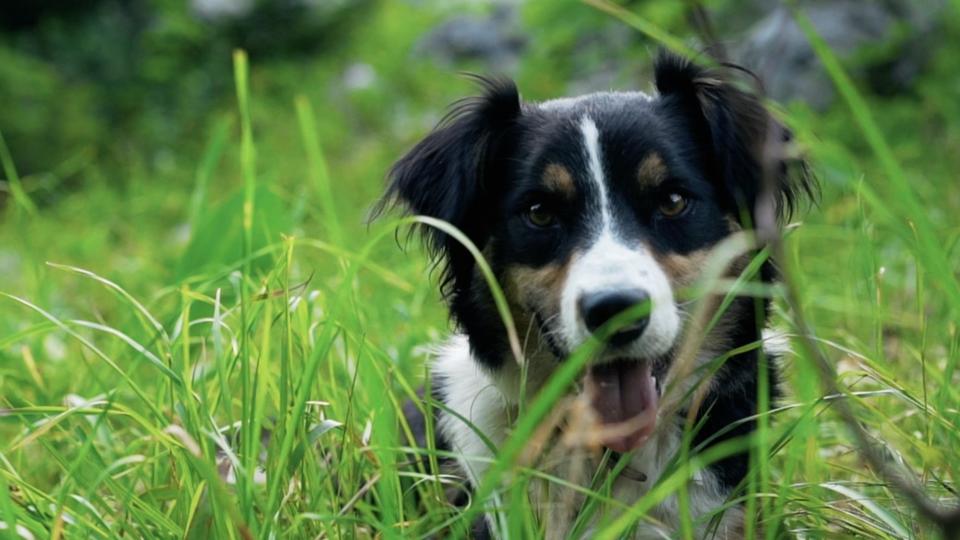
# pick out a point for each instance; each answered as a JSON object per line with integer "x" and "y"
{"x": 230, "y": 279}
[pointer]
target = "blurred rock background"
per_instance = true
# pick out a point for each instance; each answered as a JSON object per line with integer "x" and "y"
{"x": 129, "y": 95}
{"x": 86, "y": 80}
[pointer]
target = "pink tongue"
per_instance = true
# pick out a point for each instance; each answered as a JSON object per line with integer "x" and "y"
{"x": 625, "y": 398}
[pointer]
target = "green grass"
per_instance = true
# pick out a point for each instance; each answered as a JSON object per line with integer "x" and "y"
{"x": 144, "y": 322}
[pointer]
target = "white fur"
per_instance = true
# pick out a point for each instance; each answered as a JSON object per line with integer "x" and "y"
{"x": 591, "y": 145}
{"x": 776, "y": 343}
{"x": 612, "y": 264}
{"x": 567, "y": 103}
{"x": 488, "y": 400}
{"x": 470, "y": 391}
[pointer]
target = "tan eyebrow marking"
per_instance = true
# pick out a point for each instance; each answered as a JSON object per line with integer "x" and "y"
{"x": 558, "y": 178}
{"x": 652, "y": 171}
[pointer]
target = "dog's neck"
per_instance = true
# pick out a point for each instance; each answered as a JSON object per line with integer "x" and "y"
{"x": 487, "y": 403}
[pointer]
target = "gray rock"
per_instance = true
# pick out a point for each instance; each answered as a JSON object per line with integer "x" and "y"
{"x": 598, "y": 65}
{"x": 777, "y": 49}
{"x": 218, "y": 10}
{"x": 495, "y": 39}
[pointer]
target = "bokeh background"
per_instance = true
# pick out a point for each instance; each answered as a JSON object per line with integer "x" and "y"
{"x": 109, "y": 107}
{"x": 121, "y": 142}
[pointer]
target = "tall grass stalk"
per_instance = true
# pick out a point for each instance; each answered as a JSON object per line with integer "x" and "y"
{"x": 258, "y": 393}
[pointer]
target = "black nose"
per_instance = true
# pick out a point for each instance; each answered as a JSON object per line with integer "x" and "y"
{"x": 599, "y": 307}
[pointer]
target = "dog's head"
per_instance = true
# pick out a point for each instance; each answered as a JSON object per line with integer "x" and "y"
{"x": 586, "y": 207}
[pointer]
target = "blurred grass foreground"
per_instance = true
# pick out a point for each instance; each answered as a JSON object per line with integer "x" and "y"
{"x": 200, "y": 336}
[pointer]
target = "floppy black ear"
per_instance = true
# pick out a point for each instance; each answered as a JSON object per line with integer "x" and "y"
{"x": 449, "y": 174}
{"x": 736, "y": 127}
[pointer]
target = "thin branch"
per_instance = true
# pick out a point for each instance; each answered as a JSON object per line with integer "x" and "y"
{"x": 945, "y": 517}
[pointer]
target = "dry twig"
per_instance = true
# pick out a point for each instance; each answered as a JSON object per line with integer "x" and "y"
{"x": 945, "y": 517}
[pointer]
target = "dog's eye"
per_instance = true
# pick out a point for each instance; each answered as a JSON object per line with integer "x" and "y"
{"x": 672, "y": 205}
{"x": 540, "y": 216}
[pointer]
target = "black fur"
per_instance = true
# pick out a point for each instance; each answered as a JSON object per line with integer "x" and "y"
{"x": 453, "y": 175}
{"x": 734, "y": 125}
{"x": 448, "y": 174}
{"x": 482, "y": 166}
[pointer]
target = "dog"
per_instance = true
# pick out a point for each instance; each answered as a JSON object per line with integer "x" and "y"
{"x": 586, "y": 208}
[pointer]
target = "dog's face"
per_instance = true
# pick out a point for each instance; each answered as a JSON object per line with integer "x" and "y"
{"x": 586, "y": 207}
{"x": 604, "y": 212}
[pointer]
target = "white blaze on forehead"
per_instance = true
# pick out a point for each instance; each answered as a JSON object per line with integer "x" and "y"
{"x": 591, "y": 143}
{"x": 612, "y": 264}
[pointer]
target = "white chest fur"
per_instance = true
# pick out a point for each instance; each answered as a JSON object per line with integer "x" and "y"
{"x": 480, "y": 398}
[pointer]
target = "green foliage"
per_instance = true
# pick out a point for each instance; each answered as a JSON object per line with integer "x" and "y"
{"x": 124, "y": 384}
{"x": 38, "y": 97}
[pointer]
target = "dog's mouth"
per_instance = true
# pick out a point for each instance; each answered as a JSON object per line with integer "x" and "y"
{"x": 624, "y": 397}
{"x": 623, "y": 394}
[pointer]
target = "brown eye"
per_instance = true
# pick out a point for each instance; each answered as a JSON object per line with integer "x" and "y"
{"x": 673, "y": 205}
{"x": 539, "y": 216}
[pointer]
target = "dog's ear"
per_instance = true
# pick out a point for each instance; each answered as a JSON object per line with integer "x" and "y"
{"x": 744, "y": 141}
{"x": 450, "y": 173}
